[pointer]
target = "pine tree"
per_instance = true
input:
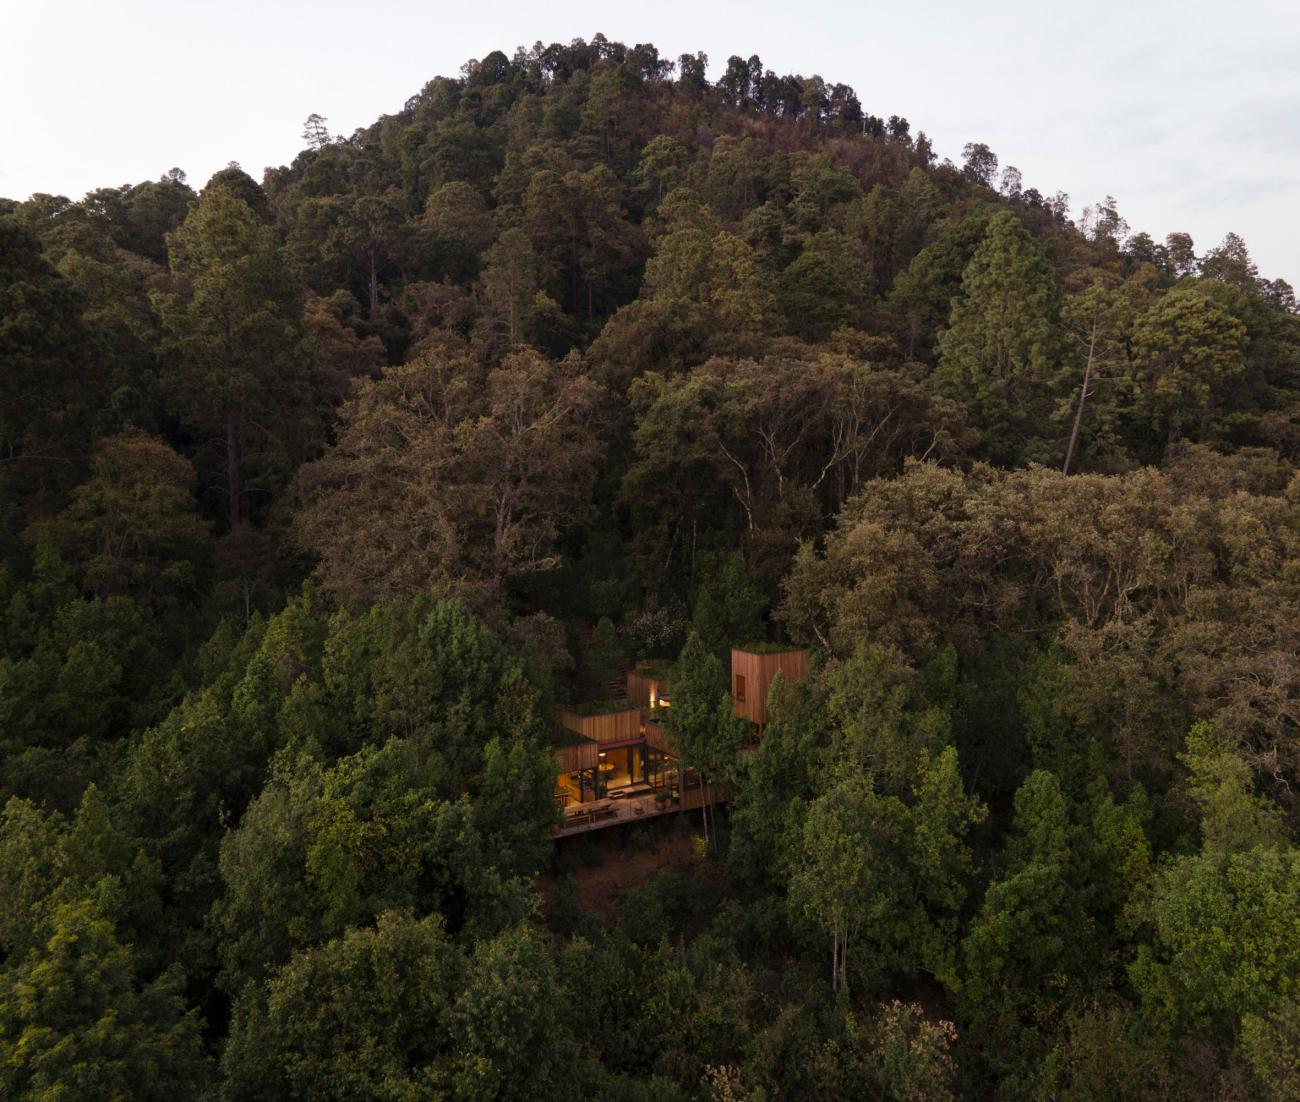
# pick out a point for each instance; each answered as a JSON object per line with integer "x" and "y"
{"x": 997, "y": 352}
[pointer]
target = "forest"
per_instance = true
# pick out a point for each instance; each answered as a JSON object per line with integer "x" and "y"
{"x": 320, "y": 495}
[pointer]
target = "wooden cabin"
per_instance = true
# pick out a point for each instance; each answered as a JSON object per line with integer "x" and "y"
{"x": 752, "y": 671}
{"x": 606, "y": 754}
{"x": 647, "y": 685}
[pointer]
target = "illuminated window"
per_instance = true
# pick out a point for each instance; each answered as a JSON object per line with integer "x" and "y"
{"x": 740, "y": 688}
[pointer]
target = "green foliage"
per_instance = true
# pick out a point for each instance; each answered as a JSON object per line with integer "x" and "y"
{"x": 74, "y": 1021}
{"x": 574, "y": 337}
{"x": 995, "y": 355}
{"x": 1185, "y": 349}
{"x": 1224, "y": 942}
{"x": 48, "y": 394}
{"x": 364, "y": 1016}
{"x": 239, "y": 376}
{"x": 605, "y": 661}
{"x": 132, "y": 526}
{"x": 728, "y": 608}
{"x": 888, "y": 871}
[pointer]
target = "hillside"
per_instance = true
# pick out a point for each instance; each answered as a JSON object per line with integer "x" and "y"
{"x": 322, "y": 494}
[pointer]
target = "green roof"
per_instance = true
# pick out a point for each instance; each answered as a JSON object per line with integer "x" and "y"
{"x": 600, "y": 707}
{"x": 657, "y": 671}
{"x": 565, "y": 737}
{"x": 770, "y": 648}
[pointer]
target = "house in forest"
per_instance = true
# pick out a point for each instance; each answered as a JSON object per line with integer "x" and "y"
{"x": 615, "y": 762}
{"x": 607, "y": 750}
{"x": 754, "y": 668}
{"x": 616, "y": 759}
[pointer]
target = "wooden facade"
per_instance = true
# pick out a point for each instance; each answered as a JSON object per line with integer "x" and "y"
{"x": 752, "y": 673}
{"x": 659, "y": 737}
{"x": 576, "y": 756}
{"x": 646, "y": 683}
{"x": 620, "y": 726}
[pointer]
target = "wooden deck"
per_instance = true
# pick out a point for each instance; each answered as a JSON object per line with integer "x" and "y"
{"x": 598, "y": 814}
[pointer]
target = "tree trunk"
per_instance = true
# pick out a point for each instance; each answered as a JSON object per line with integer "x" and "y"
{"x": 1083, "y": 397}
{"x": 234, "y": 485}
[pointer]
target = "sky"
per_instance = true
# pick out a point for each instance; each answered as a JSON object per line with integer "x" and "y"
{"x": 1186, "y": 111}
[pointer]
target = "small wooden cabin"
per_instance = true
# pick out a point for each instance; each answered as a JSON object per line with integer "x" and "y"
{"x": 752, "y": 672}
{"x": 647, "y": 685}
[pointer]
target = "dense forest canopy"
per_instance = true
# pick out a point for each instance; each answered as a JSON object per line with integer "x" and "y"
{"x": 321, "y": 493}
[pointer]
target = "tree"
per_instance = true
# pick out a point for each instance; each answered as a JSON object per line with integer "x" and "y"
{"x": 835, "y": 885}
{"x": 75, "y": 1022}
{"x": 509, "y": 1038}
{"x": 1104, "y": 224}
{"x": 47, "y": 390}
{"x": 1230, "y": 263}
{"x": 367, "y": 236}
{"x": 341, "y": 355}
{"x": 1186, "y": 347}
{"x": 770, "y": 446}
{"x": 707, "y": 732}
{"x": 133, "y": 526}
{"x": 1181, "y": 253}
{"x": 996, "y": 354}
{"x": 817, "y": 292}
{"x": 663, "y": 165}
{"x": 728, "y": 608}
{"x": 1224, "y": 945}
{"x": 577, "y": 223}
{"x": 889, "y": 870}
{"x": 416, "y": 778}
{"x": 362, "y": 1016}
{"x": 921, "y": 299}
{"x": 510, "y": 286}
{"x": 981, "y": 163}
{"x": 1100, "y": 319}
{"x": 461, "y": 227}
{"x": 237, "y": 372}
{"x": 450, "y": 477}
{"x": 314, "y": 131}
{"x": 605, "y": 661}
{"x": 1026, "y": 948}
{"x": 1223, "y": 918}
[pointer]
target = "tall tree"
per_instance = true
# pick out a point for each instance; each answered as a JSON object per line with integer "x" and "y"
{"x": 75, "y": 1022}
{"x": 47, "y": 391}
{"x": 449, "y": 477}
{"x": 133, "y": 527}
{"x": 1186, "y": 347}
{"x": 238, "y": 372}
{"x": 997, "y": 352}
{"x": 707, "y": 731}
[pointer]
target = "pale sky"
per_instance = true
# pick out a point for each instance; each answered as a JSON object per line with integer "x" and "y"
{"x": 1187, "y": 111}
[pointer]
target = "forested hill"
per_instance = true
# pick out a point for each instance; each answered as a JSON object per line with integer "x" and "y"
{"x": 319, "y": 494}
